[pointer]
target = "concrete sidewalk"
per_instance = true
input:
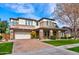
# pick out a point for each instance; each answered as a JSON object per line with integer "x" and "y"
{"x": 49, "y": 51}
{"x": 69, "y": 46}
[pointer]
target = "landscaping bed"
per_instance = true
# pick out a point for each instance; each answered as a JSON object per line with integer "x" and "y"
{"x": 6, "y": 48}
{"x": 76, "y": 49}
{"x": 61, "y": 42}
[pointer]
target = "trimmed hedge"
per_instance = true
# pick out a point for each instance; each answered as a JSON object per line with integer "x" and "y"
{"x": 53, "y": 37}
{"x": 63, "y": 37}
{"x": 1, "y": 37}
{"x": 66, "y": 37}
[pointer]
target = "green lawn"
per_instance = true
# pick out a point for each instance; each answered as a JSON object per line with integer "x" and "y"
{"x": 6, "y": 48}
{"x": 76, "y": 49}
{"x": 61, "y": 42}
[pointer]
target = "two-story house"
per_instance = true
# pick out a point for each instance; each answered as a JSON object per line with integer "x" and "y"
{"x": 21, "y": 28}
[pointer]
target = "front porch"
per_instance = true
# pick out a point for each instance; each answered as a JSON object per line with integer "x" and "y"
{"x": 41, "y": 33}
{"x": 45, "y": 33}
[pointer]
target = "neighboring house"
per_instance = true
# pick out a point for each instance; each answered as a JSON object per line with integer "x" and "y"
{"x": 68, "y": 31}
{"x": 21, "y": 28}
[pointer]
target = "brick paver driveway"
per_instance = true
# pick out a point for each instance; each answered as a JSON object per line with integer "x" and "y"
{"x": 36, "y": 47}
{"x": 21, "y": 46}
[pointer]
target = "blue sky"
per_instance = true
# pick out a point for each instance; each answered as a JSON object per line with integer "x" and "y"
{"x": 27, "y": 10}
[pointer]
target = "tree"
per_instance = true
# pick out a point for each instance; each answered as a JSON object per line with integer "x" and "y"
{"x": 33, "y": 34}
{"x": 68, "y": 13}
{"x": 3, "y": 26}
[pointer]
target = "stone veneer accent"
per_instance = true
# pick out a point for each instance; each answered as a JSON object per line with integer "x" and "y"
{"x": 59, "y": 34}
{"x": 50, "y": 33}
{"x": 11, "y": 34}
{"x": 41, "y": 34}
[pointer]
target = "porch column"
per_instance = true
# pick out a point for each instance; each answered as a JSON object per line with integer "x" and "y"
{"x": 11, "y": 34}
{"x": 50, "y": 33}
{"x": 41, "y": 34}
{"x": 63, "y": 34}
{"x": 59, "y": 35}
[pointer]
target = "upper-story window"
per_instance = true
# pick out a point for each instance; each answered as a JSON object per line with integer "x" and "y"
{"x": 28, "y": 22}
{"x": 22, "y": 21}
{"x": 34, "y": 23}
{"x": 31, "y": 22}
{"x": 47, "y": 23}
{"x": 14, "y": 22}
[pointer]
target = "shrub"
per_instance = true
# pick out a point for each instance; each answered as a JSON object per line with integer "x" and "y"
{"x": 33, "y": 34}
{"x": 70, "y": 37}
{"x": 63, "y": 37}
{"x": 66, "y": 37}
{"x": 53, "y": 37}
{"x": 1, "y": 37}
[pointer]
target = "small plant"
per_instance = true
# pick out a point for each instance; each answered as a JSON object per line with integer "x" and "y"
{"x": 1, "y": 37}
{"x": 63, "y": 37}
{"x": 70, "y": 37}
{"x": 33, "y": 34}
{"x": 53, "y": 37}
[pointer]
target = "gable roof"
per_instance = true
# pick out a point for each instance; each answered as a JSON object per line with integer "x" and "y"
{"x": 23, "y": 18}
{"x": 14, "y": 18}
{"x": 46, "y": 19}
{"x": 32, "y": 19}
{"x": 27, "y": 19}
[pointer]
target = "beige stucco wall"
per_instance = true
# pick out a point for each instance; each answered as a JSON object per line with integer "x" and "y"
{"x": 43, "y": 23}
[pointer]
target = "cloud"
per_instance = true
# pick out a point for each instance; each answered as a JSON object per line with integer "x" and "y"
{"x": 51, "y": 7}
{"x": 21, "y": 8}
{"x": 31, "y": 16}
{"x": 28, "y": 10}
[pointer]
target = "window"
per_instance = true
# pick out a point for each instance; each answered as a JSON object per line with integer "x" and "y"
{"x": 22, "y": 21}
{"x": 14, "y": 23}
{"x": 26, "y": 22}
{"x": 31, "y": 22}
{"x": 34, "y": 23}
{"x": 47, "y": 23}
